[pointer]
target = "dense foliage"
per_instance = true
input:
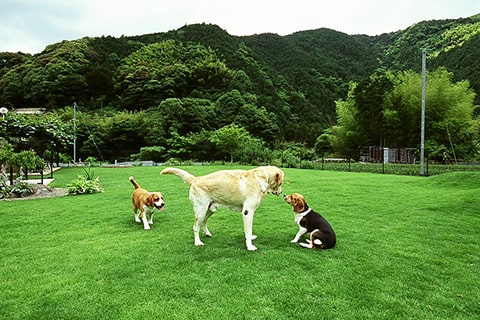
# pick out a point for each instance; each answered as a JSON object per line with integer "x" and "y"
{"x": 47, "y": 136}
{"x": 384, "y": 110}
{"x": 173, "y": 93}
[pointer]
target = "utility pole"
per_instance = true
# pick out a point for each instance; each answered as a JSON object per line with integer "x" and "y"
{"x": 74, "y": 132}
{"x": 422, "y": 130}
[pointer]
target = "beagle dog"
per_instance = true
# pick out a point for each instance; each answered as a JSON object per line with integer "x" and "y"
{"x": 146, "y": 202}
{"x": 321, "y": 232}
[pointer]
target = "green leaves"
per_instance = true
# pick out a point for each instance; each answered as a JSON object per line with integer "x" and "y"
{"x": 170, "y": 69}
{"x": 40, "y": 133}
{"x": 230, "y": 139}
{"x": 386, "y": 112}
{"x": 27, "y": 160}
{"x": 197, "y": 79}
{"x": 85, "y": 184}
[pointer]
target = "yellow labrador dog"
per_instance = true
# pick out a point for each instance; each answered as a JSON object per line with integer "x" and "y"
{"x": 238, "y": 190}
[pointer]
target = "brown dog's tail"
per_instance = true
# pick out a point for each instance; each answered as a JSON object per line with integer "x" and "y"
{"x": 186, "y": 177}
{"x": 135, "y": 184}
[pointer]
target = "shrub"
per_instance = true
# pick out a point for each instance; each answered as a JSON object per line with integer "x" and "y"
{"x": 19, "y": 189}
{"x": 154, "y": 153}
{"x": 177, "y": 162}
{"x": 28, "y": 160}
{"x": 85, "y": 184}
{"x": 4, "y": 187}
{"x": 92, "y": 161}
{"x": 289, "y": 159}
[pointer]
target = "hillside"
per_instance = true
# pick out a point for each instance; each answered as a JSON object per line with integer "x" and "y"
{"x": 293, "y": 77}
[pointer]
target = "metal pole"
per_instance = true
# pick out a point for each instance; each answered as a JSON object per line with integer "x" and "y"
{"x": 74, "y": 132}
{"x": 422, "y": 132}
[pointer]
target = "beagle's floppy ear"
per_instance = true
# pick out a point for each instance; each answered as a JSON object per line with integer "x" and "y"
{"x": 151, "y": 200}
{"x": 299, "y": 203}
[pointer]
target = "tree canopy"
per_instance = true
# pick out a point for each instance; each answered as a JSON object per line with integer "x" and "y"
{"x": 385, "y": 111}
{"x": 176, "y": 89}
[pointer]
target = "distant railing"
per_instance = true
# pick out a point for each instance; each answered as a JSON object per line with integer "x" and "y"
{"x": 37, "y": 177}
{"x": 349, "y": 165}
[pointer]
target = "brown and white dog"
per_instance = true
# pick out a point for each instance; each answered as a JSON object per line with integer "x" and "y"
{"x": 238, "y": 190}
{"x": 144, "y": 204}
{"x": 321, "y": 232}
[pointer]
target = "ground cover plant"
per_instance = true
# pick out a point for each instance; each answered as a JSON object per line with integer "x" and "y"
{"x": 407, "y": 248}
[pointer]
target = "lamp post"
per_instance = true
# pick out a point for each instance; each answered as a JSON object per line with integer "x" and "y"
{"x": 3, "y": 111}
{"x": 422, "y": 129}
{"x": 74, "y": 132}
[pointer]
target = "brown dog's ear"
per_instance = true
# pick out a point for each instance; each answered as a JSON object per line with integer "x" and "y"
{"x": 299, "y": 204}
{"x": 151, "y": 200}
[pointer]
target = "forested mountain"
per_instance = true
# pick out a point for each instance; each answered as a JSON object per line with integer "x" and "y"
{"x": 280, "y": 88}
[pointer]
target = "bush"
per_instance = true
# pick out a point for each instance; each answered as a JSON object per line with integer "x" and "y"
{"x": 172, "y": 162}
{"x": 254, "y": 152}
{"x": 28, "y": 160}
{"x": 92, "y": 161}
{"x": 85, "y": 184}
{"x": 289, "y": 159}
{"x": 154, "y": 153}
{"x": 19, "y": 189}
{"x": 4, "y": 187}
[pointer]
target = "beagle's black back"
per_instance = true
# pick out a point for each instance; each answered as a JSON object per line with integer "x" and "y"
{"x": 312, "y": 221}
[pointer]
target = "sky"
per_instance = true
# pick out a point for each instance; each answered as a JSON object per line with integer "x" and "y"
{"x": 30, "y": 25}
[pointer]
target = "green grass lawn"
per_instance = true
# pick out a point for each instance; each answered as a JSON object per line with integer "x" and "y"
{"x": 407, "y": 248}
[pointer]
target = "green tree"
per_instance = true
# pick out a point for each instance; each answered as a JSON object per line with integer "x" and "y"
{"x": 179, "y": 146}
{"x": 111, "y": 137}
{"x": 92, "y": 135}
{"x": 346, "y": 135}
{"x": 254, "y": 151}
{"x": 230, "y": 139}
{"x": 39, "y": 133}
{"x": 369, "y": 98}
{"x": 156, "y": 128}
{"x": 124, "y": 135}
{"x": 154, "y": 153}
{"x": 227, "y": 107}
{"x": 27, "y": 160}
{"x": 6, "y": 151}
{"x": 186, "y": 115}
{"x": 233, "y": 107}
{"x": 56, "y": 78}
{"x": 12, "y": 90}
{"x": 324, "y": 143}
{"x": 448, "y": 113}
{"x": 169, "y": 69}
{"x": 393, "y": 108}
